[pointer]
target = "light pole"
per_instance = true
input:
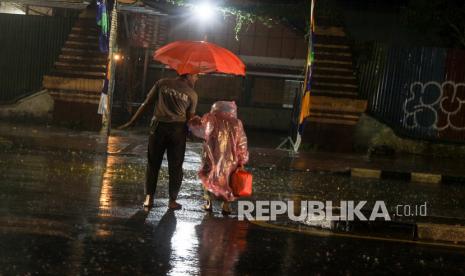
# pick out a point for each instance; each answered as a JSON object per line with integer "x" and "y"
{"x": 204, "y": 13}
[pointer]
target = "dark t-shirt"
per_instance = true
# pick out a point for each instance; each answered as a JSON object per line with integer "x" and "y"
{"x": 173, "y": 100}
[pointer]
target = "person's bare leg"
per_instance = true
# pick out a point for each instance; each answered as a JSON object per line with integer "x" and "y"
{"x": 148, "y": 203}
{"x": 175, "y": 154}
{"x": 155, "y": 152}
{"x": 208, "y": 198}
{"x": 226, "y": 208}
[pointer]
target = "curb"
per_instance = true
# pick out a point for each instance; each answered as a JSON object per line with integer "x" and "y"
{"x": 441, "y": 232}
{"x": 365, "y": 173}
{"x": 5, "y": 143}
{"x": 425, "y": 229}
{"x": 416, "y": 231}
{"x": 321, "y": 232}
{"x": 418, "y": 177}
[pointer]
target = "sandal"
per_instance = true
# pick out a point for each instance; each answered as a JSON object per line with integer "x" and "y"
{"x": 173, "y": 205}
{"x": 225, "y": 213}
{"x": 225, "y": 209}
{"x": 208, "y": 206}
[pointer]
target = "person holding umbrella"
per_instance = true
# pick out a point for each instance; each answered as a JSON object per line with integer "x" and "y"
{"x": 175, "y": 103}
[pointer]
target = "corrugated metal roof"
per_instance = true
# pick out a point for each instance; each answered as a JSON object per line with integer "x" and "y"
{"x": 67, "y": 4}
{"x": 139, "y": 9}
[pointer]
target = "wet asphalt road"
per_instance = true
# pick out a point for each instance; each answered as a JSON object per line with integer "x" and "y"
{"x": 71, "y": 213}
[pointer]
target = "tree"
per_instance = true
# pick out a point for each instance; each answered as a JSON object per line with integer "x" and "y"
{"x": 443, "y": 20}
{"x": 292, "y": 12}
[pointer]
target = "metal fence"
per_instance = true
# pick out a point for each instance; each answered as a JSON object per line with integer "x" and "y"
{"x": 29, "y": 45}
{"x": 419, "y": 92}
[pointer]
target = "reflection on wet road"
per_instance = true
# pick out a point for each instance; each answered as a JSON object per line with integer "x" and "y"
{"x": 75, "y": 213}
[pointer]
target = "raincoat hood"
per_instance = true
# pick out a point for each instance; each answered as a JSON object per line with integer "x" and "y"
{"x": 228, "y": 108}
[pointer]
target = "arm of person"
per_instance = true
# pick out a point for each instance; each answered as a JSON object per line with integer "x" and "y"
{"x": 190, "y": 116}
{"x": 193, "y": 121}
{"x": 150, "y": 99}
{"x": 192, "y": 107}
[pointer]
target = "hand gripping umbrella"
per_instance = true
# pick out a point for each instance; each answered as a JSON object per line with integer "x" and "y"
{"x": 193, "y": 57}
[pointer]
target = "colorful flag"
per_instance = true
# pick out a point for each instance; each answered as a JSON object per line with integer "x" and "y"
{"x": 305, "y": 106}
{"x": 103, "y": 23}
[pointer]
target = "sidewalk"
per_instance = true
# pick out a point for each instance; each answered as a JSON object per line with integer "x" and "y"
{"x": 285, "y": 176}
{"x": 134, "y": 142}
{"x": 42, "y": 137}
{"x": 398, "y": 166}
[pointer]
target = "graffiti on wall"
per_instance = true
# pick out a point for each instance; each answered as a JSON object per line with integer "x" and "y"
{"x": 435, "y": 105}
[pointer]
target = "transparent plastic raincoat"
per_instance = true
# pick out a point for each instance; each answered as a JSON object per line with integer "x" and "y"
{"x": 224, "y": 149}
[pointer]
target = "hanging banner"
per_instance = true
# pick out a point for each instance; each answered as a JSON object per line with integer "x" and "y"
{"x": 305, "y": 106}
{"x": 103, "y": 23}
{"x": 302, "y": 100}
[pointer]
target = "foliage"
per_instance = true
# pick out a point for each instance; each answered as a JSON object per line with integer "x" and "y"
{"x": 292, "y": 12}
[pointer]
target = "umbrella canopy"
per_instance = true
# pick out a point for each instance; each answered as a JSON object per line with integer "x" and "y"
{"x": 192, "y": 57}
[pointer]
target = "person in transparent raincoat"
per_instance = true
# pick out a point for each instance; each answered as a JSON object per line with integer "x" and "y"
{"x": 224, "y": 150}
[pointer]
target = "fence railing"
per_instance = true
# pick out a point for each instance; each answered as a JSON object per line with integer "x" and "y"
{"x": 29, "y": 45}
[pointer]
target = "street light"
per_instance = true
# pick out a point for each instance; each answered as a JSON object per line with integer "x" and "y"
{"x": 117, "y": 57}
{"x": 204, "y": 11}
{"x": 204, "y": 14}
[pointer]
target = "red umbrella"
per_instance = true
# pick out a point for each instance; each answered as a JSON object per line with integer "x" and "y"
{"x": 191, "y": 57}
